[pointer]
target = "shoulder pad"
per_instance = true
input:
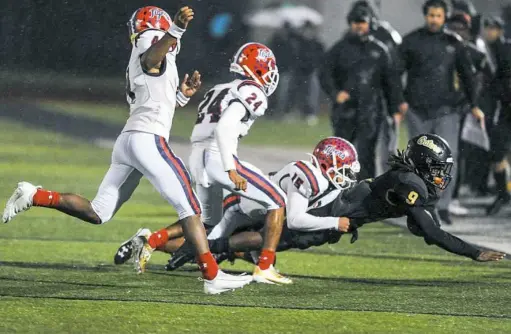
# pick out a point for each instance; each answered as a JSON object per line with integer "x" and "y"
{"x": 308, "y": 180}
{"x": 252, "y": 97}
{"x": 411, "y": 189}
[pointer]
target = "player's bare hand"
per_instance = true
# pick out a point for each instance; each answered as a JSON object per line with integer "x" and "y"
{"x": 239, "y": 182}
{"x": 342, "y": 97}
{"x": 183, "y": 17}
{"x": 487, "y": 256}
{"x": 191, "y": 85}
{"x": 343, "y": 224}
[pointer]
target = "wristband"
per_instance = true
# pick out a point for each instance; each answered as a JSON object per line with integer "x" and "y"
{"x": 175, "y": 31}
{"x": 181, "y": 99}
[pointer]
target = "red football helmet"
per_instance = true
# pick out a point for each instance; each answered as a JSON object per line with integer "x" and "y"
{"x": 256, "y": 61}
{"x": 338, "y": 160}
{"x": 149, "y": 17}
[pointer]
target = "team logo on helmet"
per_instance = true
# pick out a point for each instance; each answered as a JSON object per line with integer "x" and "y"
{"x": 263, "y": 54}
{"x": 424, "y": 141}
{"x": 158, "y": 13}
{"x": 329, "y": 149}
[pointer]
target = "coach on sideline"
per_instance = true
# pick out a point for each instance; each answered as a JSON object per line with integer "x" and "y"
{"x": 432, "y": 57}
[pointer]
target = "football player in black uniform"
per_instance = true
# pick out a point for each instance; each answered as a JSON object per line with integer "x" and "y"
{"x": 410, "y": 188}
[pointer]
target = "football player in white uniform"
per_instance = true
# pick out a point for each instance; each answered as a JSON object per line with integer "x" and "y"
{"x": 142, "y": 149}
{"x": 225, "y": 115}
{"x": 311, "y": 188}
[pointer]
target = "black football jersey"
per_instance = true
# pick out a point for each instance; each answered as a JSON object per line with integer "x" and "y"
{"x": 387, "y": 196}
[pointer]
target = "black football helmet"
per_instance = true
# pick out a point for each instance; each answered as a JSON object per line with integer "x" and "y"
{"x": 431, "y": 157}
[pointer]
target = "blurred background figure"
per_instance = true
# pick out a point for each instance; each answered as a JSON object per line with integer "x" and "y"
{"x": 356, "y": 71}
{"x": 500, "y": 50}
{"x": 472, "y": 159}
{"x": 285, "y": 44}
{"x": 431, "y": 58}
{"x": 305, "y": 87}
{"x": 385, "y": 33}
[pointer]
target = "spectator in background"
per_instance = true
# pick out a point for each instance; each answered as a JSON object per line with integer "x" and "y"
{"x": 285, "y": 45}
{"x": 501, "y": 86}
{"x": 384, "y": 32}
{"x": 431, "y": 56}
{"x": 304, "y": 87}
{"x": 355, "y": 72}
{"x": 472, "y": 159}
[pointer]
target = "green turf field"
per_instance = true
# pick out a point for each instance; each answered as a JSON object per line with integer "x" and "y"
{"x": 57, "y": 274}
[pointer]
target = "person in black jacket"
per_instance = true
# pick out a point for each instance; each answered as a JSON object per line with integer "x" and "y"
{"x": 384, "y": 32}
{"x": 473, "y": 161}
{"x": 355, "y": 72}
{"x": 432, "y": 56}
{"x": 500, "y": 49}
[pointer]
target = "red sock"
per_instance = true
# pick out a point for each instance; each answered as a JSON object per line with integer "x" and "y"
{"x": 158, "y": 238}
{"x": 208, "y": 266}
{"x": 266, "y": 259}
{"x": 46, "y": 198}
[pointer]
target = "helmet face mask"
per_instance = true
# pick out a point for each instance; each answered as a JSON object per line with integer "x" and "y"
{"x": 431, "y": 157}
{"x": 257, "y": 62}
{"x": 338, "y": 161}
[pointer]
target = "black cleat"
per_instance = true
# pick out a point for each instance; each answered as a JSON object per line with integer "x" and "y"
{"x": 445, "y": 217}
{"x": 183, "y": 255}
{"x": 497, "y": 205}
{"x": 125, "y": 251}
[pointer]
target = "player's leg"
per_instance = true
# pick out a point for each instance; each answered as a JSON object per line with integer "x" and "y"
{"x": 263, "y": 191}
{"x": 117, "y": 186}
{"x": 167, "y": 173}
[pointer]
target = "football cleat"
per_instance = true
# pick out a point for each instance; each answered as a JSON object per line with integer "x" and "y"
{"x": 270, "y": 276}
{"x": 125, "y": 252}
{"x": 224, "y": 282}
{"x": 183, "y": 255}
{"x": 21, "y": 200}
{"x": 142, "y": 252}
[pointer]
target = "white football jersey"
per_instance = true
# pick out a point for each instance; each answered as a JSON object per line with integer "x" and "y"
{"x": 218, "y": 99}
{"x": 152, "y": 97}
{"x": 309, "y": 181}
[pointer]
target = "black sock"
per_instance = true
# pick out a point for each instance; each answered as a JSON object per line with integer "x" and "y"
{"x": 501, "y": 182}
{"x": 219, "y": 245}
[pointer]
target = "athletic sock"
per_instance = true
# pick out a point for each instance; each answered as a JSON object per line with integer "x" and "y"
{"x": 208, "y": 266}
{"x": 266, "y": 259}
{"x": 46, "y": 198}
{"x": 158, "y": 239}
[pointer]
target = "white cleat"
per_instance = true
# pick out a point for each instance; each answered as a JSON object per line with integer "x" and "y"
{"x": 224, "y": 282}
{"x": 125, "y": 251}
{"x": 142, "y": 252}
{"x": 21, "y": 200}
{"x": 270, "y": 276}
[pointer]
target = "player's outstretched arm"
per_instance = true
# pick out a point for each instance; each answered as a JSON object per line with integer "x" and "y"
{"x": 433, "y": 234}
{"x": 156, "y": 53}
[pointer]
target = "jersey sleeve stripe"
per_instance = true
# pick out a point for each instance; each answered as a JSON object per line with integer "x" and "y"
{"x": 309, "y": 174}
{"x": 261, "y": 183}
{"x": 230, "y": 201}
{"x": 182, "y": 174}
